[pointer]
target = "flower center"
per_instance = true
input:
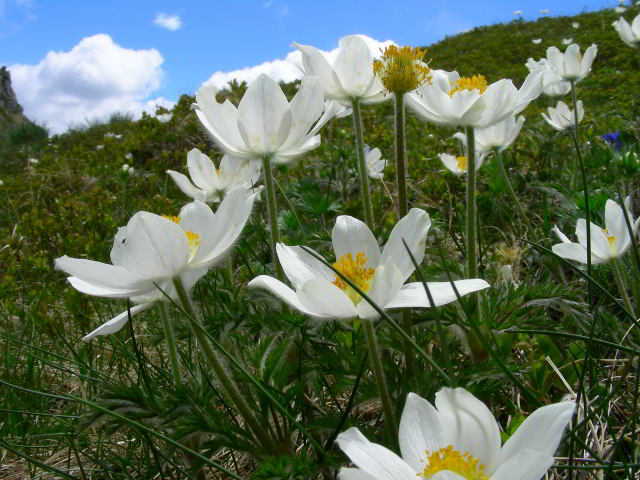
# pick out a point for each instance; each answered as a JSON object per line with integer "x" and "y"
{"x": 612, "y": 241}
{"x": 402, "y": 70}
{"x": 193, "y": 239}
{"x": 354, "y": 270}
{"x": 477, "y": 82}
{"x": 462, "y": 163}
{"x": 449, "y": 459}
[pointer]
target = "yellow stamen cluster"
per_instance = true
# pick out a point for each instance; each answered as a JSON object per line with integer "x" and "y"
{"x": 462, "y": 163}
{"x": 193, "y": 239}
{"x": 402, "y": 70}
{"x": 611, "y": 239}
{"x": 357, "y": 272}
{"x": 477, "y": 82}
{"x": 449, "y": 459}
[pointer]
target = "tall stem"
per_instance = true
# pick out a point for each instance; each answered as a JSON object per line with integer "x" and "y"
{"x": 403, "y": 208}
{"x": 505, "y": 177}
{"x": 214, "y": 362}
{"x": 472, "y": 265}
{"x": 171, "y": 342}
{"x": 362, "y": 167}
{"x": 273, "y": 214}
{"x": 576, "y": 130}
{"x": 378, "y": 372}
{"x": 621, "y": 287}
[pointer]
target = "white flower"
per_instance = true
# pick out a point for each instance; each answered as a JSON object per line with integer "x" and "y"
{"x": 497, "y": 136}
{"x": 575, "y": 25}
{"x": 567, "y": 41}
{"x": 125, "y": 168}
{"x": 544, "y": 11}
{"x": 210, "y": 184}
{"x": 374, "y": 162}
{"x": 33, "y": 161}
{"x": 99, "y": 147}
{"x": 1, "y": 182}
{"x": 571, "y": 65}
{"x": 152, "y": 250}
{"x": 458, "y": 439}
{"x": 164, "y": 117}
{"x": 536, "y": 41}
{"x": 128, "y": 156}
{"x": 606, "y": 244}
{"x": 117, "y": 136}
{"x": 552, "y": 83}
{"x": 350, "y": 76}
{"x": 265, "y": 123}
{"x": 517, "y": 12}
{"x": 457, "y": 101}
{"x": 620, "y": 9}
{"x": 561, "y": 117}
{"x": 629, "y": 34}
{"x": 460, "y": 165}
{"x": 320, "y": 293}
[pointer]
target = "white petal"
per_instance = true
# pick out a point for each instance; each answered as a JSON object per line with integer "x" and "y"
{"x": 315, "y": 63}
{"x": 354, "y": 66}
{"x": 354, "y": 474}
{"x": 185, "y": 185}
{"x": 202, "y": 170}
{"x": 571, "y": 251}
{"x": 261, "y": 112}
{"x": 280, "y": 290}
{"x": 151, "y": 247}
{"x": 541, "y": 431}
{"x": 526, "y": 465}
{"x": 350, "y": 235}
{"x": 220, "y": 120}
{"x": 326, "y": 300}
{"x": 116, "y": 323}
{"x": 386, "y": 285}
{"x": 413, "y": 229}
{"x": 300, "y": 266}
{"x": 196, "y": 217}
{"x": 110, "y": 278}
{"x": 374, "y": 459}
{"x": 306, "y": 107}
{"x": 561, "y": 236}
{"x": 468, "y": 425}
{"x": 420, "y": 431}
{"x": 616, "y": 225}
{"x": 413, "y": 295}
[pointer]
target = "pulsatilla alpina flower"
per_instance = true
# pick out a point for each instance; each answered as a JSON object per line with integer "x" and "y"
{"x": 498, "y": 136}
{"x": 606, "y": 243}
{"x": 320, "y": 293}
{"x": 459, "y": 165}
{"x": 561, "y": 118}
{"x": 349, "y": 77}
{"x": 401, "y": 69}
{"x": 458, "y": 439}
{"x": 470, "y": 101}
{"x": 152, "y": 250}
{"x": 629, "y": 34}
{"x": 552, "y": 83}
{"x": 374, "y": 162}
{"x": 265, "y": 124}
{"x": 571, "y": 65}
{"x": 211, "y": 184}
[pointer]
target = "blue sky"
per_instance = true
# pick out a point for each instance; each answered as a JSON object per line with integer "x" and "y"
{"x": 144, "y": 63}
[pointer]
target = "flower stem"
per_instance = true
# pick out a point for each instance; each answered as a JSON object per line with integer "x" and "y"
{"x": 214, "y": 362}
{"x": 362, "y": 168}
{"x": 576, "y": 130}
{"x": 403, "y": 208}
{"x": 273, "y": 215}
{"x": 378, "y": 373}
{"x": 171, "y": 342}
{"x": 505, "y": 177}
{"x": 472, "y": 266}
{"x": 621, "y": 287}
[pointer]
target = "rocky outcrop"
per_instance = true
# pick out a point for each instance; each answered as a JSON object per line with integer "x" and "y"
{"x": 8, "y": 100}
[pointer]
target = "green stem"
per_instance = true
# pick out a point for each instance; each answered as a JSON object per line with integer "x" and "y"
{"x": 378, "y": 373}
{"x": 403, "y": 208}
{"x": 214, "y": 362}
{"x": 362, "y": 167}
{"x": 577, "y": 132}
{"x": 229, "y": 265}
{"x": 472, "y": 265}
{"x": 171, "y": 342}
{"x": 621, "y": 287}
{"x": 273, "y": 214}
{"x": 512, "y": 192}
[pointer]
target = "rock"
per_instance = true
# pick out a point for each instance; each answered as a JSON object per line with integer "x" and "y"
{"x": 8, "y": 100}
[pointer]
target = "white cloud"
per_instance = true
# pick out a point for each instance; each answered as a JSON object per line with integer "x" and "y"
{"x": 96, "y": 78}
{"x": 281, "y": 70}
{"x": 170, "y": 22}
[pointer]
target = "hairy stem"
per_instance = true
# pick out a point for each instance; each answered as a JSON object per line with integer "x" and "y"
{"x": 171, "y": 342}
{"x": 273, "y": 214}
{"x": 472, "y": 265}
{"x": 362, "y": 167}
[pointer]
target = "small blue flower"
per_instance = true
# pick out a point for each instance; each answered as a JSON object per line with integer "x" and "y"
{"x": 613, "y": 139}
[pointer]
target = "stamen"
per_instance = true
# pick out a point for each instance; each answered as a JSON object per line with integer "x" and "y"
{"x": 449, "y": 459}
{"x": 355, "y": 271}
{"x": 612, "y": 241}
{"x": 462, "y": 163}
{"x": 193, "y": 239}
{"x": 477, "y": 82}
{"x": 402, "y": 70}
